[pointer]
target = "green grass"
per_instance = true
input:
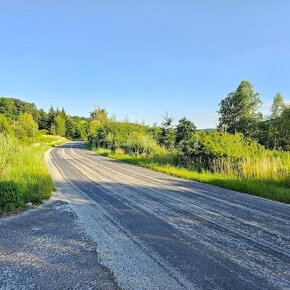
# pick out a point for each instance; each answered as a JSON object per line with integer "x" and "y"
{"x": 262, "y": 187}
{"x": 23, "y": 174}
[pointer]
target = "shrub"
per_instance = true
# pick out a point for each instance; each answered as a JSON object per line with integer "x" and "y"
{"x": 132, "y": 138}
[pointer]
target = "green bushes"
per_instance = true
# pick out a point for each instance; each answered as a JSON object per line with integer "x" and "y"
{"x": 131, "y": 138}
{"x": 234, "y": 155}
{"x": 227, "y": 160}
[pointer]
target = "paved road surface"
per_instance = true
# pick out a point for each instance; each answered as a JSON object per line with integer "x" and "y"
{"x": 154, "y": 231}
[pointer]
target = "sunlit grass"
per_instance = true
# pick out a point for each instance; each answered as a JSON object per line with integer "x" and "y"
{"x": 23, "y": 174}
{"x": 267, "y": 177}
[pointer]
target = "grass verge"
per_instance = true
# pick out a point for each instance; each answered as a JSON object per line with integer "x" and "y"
{"x": 263, "y": 188}
{"x": 23, "y": 174}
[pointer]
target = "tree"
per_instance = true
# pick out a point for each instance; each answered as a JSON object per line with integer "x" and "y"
{"x": 75, "y": 128}
{"x": 59, "y": 123}
{"x": 7, "y": 107}
{"x": 167, "y": 132}
{"x": 167, "y": 121}
{"x": 63, "y": 113}
{"x": 156, "y": 132}
{"x": 12, "y": 108}
{"x": 285, "y": 129}
{"x": 4, "y": 125}
{"x": 70, "y": 128}
{"x": 43, "y": 120}
{"x": 238, "y": 111}
{"x": 93, "y": 127}
{"x": 282, "y": 130}
{"x": 278, "y": 106}
{"x": 187, "y": 149}
{"x": 51, "y": 116}
{"x": 184, "y": 130}
{"x": 270, "y": 134}
{"x": 100, "y": 115}
{"x": 26, "y": 126}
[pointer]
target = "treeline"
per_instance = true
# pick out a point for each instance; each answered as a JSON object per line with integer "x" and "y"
{"x": 24, "y": 121}
{"x": 58, "y": 122}
{"x": 238, "y": 116}
{"x": 182, "y": 143}
{"x": 241, "y": 125}
{"x": 239, "y": 112}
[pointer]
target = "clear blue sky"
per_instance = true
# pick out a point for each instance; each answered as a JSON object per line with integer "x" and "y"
{"x": 143, "y": 58}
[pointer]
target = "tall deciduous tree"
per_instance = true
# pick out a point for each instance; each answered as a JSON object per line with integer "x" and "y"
{"x": 278, "y": 106}
{"x": 100, "y": 115}
{"x": 26, "y": 126}
{"x": 238, "y": 111}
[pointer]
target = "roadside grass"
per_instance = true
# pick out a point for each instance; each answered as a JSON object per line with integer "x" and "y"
{"x": 23, "y": 174}
{"x": 275, "y": 188}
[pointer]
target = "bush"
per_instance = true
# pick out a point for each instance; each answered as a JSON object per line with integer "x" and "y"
{"x": 206, "y": 147}
{"x": 132, "y": 138}
{"x": 234, "y": 155}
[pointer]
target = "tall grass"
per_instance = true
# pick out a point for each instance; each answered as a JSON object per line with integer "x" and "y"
{"x": 267, "y": 177}
{"x": 268, "y": 169}
{"x": 23, "y": 175}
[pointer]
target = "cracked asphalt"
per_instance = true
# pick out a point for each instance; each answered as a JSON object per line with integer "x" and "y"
{"x": 112, "y": 225}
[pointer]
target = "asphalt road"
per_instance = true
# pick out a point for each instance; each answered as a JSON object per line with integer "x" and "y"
{"x": 146, "y": 230}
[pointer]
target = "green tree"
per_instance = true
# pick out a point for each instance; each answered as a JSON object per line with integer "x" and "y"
{"x": 26, "y": 126}
{"x": 70, "y": 128}
{"x": 63, "y": 113}
{"x": 59, "y": 123}
{"x": 278, "y": 106}
{"x": 168, "y": 135}
{"x": 184, "y": 129}
{"x": 93, "y": 127}
{"x": 283, "y": 126}
{"x": 238, "y": 111}
{"x": 52, "y": 129}
{"x": 7, "y": 107}
{"x": 271, "y": 131}
{"x": 4, "y": 125}
{"x": 75, "y": 128}
{"x": 43, "y": 122}
{"x": 156, "y": 133}
{"x": 51, "y": 116}
{"x": 12, "y": 108}
{"x": 100, "y": 115}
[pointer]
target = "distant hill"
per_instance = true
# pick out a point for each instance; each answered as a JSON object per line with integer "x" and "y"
{"x": 207, "y": 130}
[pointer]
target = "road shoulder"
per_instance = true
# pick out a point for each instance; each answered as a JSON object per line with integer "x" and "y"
{"x": 45, "y": 248}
